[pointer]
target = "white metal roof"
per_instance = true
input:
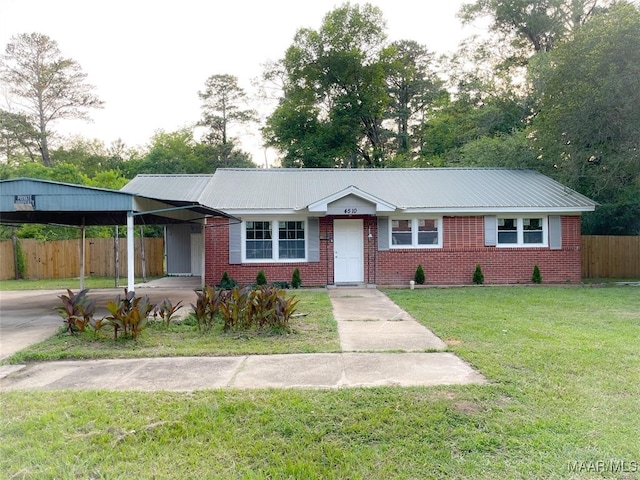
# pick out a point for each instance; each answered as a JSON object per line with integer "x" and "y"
{"x": 434, "y": 189}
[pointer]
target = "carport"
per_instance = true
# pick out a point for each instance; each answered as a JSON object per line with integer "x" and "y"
{"x": 28, "y": 200}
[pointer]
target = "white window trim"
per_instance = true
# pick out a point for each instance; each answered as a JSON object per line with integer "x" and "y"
{"x": 414, "y": 232}
{"x": 274, "y": 240}
{"x": 520, "y": 232}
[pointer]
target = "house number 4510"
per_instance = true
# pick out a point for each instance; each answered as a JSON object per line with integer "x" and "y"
{"x": 350, "y": 211}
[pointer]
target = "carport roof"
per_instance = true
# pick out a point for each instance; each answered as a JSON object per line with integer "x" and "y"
{"x": 28, "y": 200}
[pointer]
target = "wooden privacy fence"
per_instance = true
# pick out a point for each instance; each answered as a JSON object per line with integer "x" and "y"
{"x": 61, "y": 258}
{"x": 605, "y": 256}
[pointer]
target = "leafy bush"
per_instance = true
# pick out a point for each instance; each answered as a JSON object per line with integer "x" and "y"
{"x": 227, "y": 283}
{"x": 166, "y": 310}
{"x": 296, "y": 281}
{"x": 281, "y": 285}
{"x": 76, "y": 310}
{"x": 261, "y": 278}
{"x": 262, "y": 308}
{"x": 478, "y": 276}
{"x": 129, "y": 314}
{"x": 419, "y": 277}
{"x": 207, "y": 307}
{"x": 536, "y": 277}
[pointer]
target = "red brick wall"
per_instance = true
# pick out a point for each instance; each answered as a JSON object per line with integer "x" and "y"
{"x": 217, "y": 259}
{"x": 453, "y": 264}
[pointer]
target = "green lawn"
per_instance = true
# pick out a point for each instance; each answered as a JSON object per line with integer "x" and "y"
{"x": 562, "y": 402}
{"x": 64, "y": 283}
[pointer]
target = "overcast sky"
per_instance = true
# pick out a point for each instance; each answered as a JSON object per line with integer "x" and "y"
{"x": 149, "y": 59}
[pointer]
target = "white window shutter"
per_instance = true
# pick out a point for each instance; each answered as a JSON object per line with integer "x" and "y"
{"x": 313, "y": 240}
{"x": 490, "y": 231}
{"x": 235, "y": 242}
{"x": 383, "y": 233}
{"x": 555, "y": 232}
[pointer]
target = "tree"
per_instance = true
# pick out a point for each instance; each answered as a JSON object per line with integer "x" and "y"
{"x": 335, "y": 94}
{"x": 17, "y": 136}
{"x": 586, "y": 132}
{"x": 47, "y": 87}
{"x": 412, "y": 85}
{"x": 223, "y": 100}
{"x": 532, "y": 25}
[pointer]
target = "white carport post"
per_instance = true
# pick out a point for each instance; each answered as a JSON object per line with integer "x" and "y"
{"x": 130, "y": 253}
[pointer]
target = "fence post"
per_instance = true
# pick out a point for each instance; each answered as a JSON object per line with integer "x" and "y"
{"x": 16, "y": 265}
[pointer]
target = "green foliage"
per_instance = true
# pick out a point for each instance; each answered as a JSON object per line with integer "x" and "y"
{"x": 224, "y": 106}
{"x": 261, "y": 278}
{"x": 21, "y": 262}
{"x": 296, "y": 281}
{"x": 586, "y": 133}
{"x": 536, "y": 277}
{"x": 227, "y": 283}
{"x": 419, "y": 277}
{"x": 129, "y": 314}
{"x": 76, "y": 311}
{"x": 47, "y": 85}
{"x": 336, "y": 96}
{"x": 166, "y": 310}
{"x": 478, "y": 276}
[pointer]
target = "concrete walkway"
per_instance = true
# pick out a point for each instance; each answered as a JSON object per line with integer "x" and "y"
{"x": 369, "y": 321}
{"x": 373, "y": 331}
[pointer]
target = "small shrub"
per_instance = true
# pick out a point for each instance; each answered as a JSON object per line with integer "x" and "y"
{"x": 129, "y": 314}
{"x": 296, "y": 281}
{"x": 262, "y": 308}
{"x": 478, "y": 276}
{"x": 419, "y": 277}
{"x": 536, "y": 277}
{"x": 234, "y": 309}
{"x": 166, "y": 310}
{"x": 76, "y": 310}
{"x": 227, "y": 283}
{"x": 207, "y": 307}
{"x": 281, "y": 285}
{"x": 261, "y": 278}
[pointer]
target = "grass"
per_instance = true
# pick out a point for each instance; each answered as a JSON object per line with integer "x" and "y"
{"x": 64, "y": 283}
{"x": 316, "y": 331}
{"x": 562, "y": 402}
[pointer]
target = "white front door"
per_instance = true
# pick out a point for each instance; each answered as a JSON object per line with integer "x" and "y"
{"x": 348, "y": 252}
{"x": 197, "y": 250}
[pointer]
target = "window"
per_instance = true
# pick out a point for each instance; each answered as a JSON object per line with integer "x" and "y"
{"x": 291, "y": 240}
{"x": 275, "y": 240}
{"x": 415, "y": 233}
{"x": 507, "y": 230}
{"x": 427, "y": 232}
{"x": 259, "y": 240}
{"x": 532, "y": 230}
{"x": 522, "y": 231}
{"x": 401, "y": 232}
